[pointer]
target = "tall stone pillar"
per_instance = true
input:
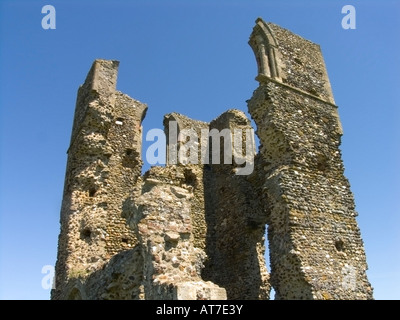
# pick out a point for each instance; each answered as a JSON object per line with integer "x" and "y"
{"x": 235, "y": 221}
{"x": 102, "y": 170}
{"x": 316, "y": 250}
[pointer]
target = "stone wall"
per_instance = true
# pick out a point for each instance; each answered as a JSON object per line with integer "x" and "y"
{"x": 236, "y": 224}
{"x": 103, "y": 168}
{"x": 227, "y": 222}
{"x": 163, "y": 221}
{"x": 192, "y": 174}
{"x": 315, "y": 246}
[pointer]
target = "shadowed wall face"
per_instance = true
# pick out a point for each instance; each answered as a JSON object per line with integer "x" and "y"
{"x": 236, "y": 223}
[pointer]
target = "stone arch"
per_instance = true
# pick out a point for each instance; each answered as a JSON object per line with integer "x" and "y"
{"x": 265, "y": 48}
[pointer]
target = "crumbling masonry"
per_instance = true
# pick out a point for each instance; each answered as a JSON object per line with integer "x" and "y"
{"x": 196, "y": 231}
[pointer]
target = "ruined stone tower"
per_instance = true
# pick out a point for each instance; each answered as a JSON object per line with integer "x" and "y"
{"x": 103, "y": 169}
{"x": 195, "y": 229}
{"x": 316, "y": 250}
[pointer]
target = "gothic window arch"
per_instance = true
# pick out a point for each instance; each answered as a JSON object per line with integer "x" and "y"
{"x": 265, "y": 48}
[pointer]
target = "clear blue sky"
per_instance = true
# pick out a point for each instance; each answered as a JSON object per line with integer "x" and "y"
{"x": 190, "y": 57}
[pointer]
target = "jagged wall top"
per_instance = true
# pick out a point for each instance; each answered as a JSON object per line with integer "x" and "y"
{"x": 100, "y": 82}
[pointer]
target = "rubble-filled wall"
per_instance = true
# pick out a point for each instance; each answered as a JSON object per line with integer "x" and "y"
{"x": 227, "y": 223}
{"x": 162, "y": 218}
{"x": 316, "y": 251}
{"x": 104, "y": 166}
{"x": 191, "y": 174}
{"x": 235, "y": 220}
